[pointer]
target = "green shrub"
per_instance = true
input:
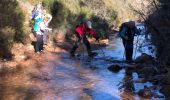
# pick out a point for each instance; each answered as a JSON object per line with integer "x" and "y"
{"x": 11, "y": 26}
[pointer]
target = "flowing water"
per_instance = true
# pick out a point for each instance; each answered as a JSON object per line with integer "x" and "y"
{"x": 63, "y": 78}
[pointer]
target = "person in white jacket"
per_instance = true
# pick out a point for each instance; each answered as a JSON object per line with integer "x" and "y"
{"x": 44, "y": 25}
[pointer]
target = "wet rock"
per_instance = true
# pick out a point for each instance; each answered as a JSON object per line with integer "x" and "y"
{"x": 146, "y": 71}
{"x": 114, "y": 68}
{"x": 146, "y": 92}
{"x": 166, "y": 91}
{"x": 144, "y": 58}
{"x": 166, "y": 79}
{"x": 162, "y": 70}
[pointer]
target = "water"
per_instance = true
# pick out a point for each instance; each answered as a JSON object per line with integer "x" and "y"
{"x": 59, "y": 77}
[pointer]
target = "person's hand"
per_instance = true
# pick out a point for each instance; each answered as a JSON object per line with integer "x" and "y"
{"x": 126, "y": 38}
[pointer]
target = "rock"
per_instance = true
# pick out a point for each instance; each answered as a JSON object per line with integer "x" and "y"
{"x": 146, "y": 71}
{"x": 144, "y": 58}
{"x": 20, "y": 57}
{"x": 146, "y": 92}
{"x": 29, "y": 47}
{"x": 114, "y": 68}
{"x": 166, "y": 91}
{"x": 166, "y": 79}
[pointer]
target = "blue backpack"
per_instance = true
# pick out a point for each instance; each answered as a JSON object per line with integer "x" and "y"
{"x": 34, "y": 14}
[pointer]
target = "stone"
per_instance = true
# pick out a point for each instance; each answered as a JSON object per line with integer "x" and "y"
{"x": 146, "y": 92}
{"x": 114, "y": 68}
{"x": 144, "y": 58}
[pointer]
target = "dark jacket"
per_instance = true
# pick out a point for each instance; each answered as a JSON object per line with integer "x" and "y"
{"x": 129, "y": 30}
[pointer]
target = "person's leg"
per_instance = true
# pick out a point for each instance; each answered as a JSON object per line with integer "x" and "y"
{"x": 38, "y": 43}
{"x": 41, "y": 42}
{"x": 125, "y": 47}
{"x": 129, "y": 51}
{"x": 75, "y": 46}
{"x": 88, "y": 47}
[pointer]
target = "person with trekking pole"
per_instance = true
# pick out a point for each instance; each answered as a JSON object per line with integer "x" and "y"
{"x": 81, "y": 31}
{"x": 127, "y": 32}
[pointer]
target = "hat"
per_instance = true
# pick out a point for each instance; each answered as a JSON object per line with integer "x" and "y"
{"x": 89, "y": 24}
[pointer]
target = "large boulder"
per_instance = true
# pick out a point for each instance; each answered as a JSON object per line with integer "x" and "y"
{"x": 144, "y": 58}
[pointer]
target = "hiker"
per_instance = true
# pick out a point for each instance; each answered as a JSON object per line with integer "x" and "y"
{"x": 127, "y": 32}
{"x": 38, "y": 33}
{"x": 46, "y": 20}
{"x": 81, "y": 31}
{"x": 44, "y": 29}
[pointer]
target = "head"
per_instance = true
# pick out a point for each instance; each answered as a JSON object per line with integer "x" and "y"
{"x": 39, "y": 7}
{"x": 89, "y": 24}
{"x": 130, "y": 24}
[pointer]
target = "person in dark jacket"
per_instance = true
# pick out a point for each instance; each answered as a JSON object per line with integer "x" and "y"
{"x": 127, "y": 32}
{"x": 81, "y": 31}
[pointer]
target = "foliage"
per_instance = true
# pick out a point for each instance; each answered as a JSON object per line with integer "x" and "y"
{"x": 68, "y": 13}
{"x": 11, "y": 27}
{"x": 158, "y": 24}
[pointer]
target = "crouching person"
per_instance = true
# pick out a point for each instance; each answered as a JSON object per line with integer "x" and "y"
{"x": 81, "y": 31}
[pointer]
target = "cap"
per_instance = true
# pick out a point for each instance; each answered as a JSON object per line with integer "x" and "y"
{"x": 89, "y": 24}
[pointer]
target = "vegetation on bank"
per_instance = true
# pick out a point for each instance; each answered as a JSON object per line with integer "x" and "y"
{"x": 11, "y": 26}
{"x": 105, "y": 14}
{"x": 158, "y": 24}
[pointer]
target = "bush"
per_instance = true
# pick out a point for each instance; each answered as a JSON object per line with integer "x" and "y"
{"x": 11, "y": 27}
{"x": 159, "y": 24}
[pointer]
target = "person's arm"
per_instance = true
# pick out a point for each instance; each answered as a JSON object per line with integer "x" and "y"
{"x": 49, "y": 19}
{"x": 78, "y": 31}
{"x": 44, "y": 27}
{"x": 91, "y": 31}
{"x": 122, "y": 33}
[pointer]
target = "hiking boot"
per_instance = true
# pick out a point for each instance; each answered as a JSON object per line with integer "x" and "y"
{"x": 92, "y": 54}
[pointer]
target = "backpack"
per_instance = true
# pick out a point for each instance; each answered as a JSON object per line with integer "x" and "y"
{"x": 34, "y": 14}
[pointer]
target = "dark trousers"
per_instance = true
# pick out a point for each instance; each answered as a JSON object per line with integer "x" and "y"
{"x": 78, "y": 43}
{"x": 128, "y": 45}
{"x": 39, "y": 43}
